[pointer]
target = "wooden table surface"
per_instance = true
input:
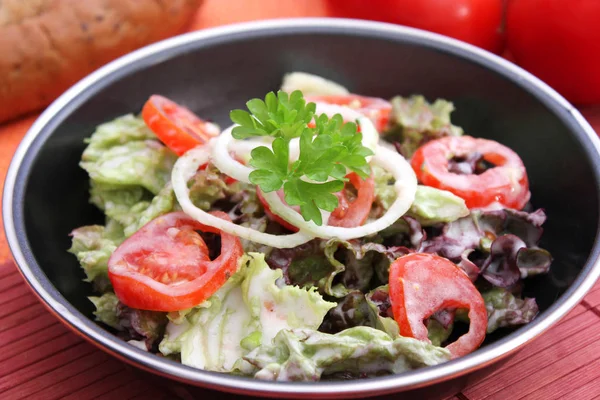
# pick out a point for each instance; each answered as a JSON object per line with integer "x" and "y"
{"x": 42, "y": 359}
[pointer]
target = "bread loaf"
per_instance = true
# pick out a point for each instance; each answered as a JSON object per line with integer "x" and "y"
{"x": 48, "y": 45}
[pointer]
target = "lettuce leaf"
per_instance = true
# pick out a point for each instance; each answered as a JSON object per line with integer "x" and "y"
{"x": 358, "y": 309}
{"x": 129, "y": 181}
{"x": 353, "y": 265}
{"x": 106, "y": 309}
{"x": 501, "y": 246}
{"x": 415, "y": 122}
{"x": 125, "y": 153}
{"x": 249, "y": 212}
{"x": 504, "y": 309}
{"x": 439, "y": 326}
{"x": 433, "y": 206}
{"x": 385, "y": 194}
{"x": 336, "y": 267}
{"x": 208, "y": 186}
{"x": 93, "y": 246}
{"x": 437, "y": 332}
{"x": 307, "y": 355}
{"x": 141, "y": 326}
{"x": 248, "y": 311}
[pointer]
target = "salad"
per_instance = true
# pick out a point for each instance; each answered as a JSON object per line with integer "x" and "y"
{"x": 324, "y": 235}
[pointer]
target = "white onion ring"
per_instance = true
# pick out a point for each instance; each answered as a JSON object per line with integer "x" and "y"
{"x": 347, "y": 113}
{"x": 185, "y": 167}
{"x": 405, "y": 186}
{"x": 221, "y": 158}
{"x": 218, "y": 151}
{"x": 370, "y": 136}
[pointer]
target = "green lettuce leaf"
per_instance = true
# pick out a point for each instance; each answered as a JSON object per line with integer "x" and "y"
{"x": 106, "y": 309}
{"x": 208, "y": 186}
{"x": 432, "y": 206}
{"x": 353, "y": 264}
{"x": 379, "y": 301}
{"x": 124, "y": 152}
{"x": 131, "y": 207}
{"x": 437, "y": 333}
{"x": 385, "y": 194}
{"x": 336, "y": 267}
{"x": 416, "y": 122}
{"x": 251, "y": 215}
{"x": 307, "y": 355}
{"x": 142, "y": 213}
{"x": 142, "y": 328}
{"x": 504, "y": 309}
{"x": 248, "y": 311}
{"x": 117, "y": 132}
{"x": 93, "y": 246}
{"x": 358, "y": 309}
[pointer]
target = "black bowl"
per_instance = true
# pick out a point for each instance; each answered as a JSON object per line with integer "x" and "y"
{"x": 216, "y": 70}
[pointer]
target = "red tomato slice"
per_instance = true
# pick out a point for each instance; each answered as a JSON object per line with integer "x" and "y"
{"x": 376, "y": 109}
{"x": 176, "y": 126}
{"x": 348, "y": 214}
{"x": 505, "y": 184}
{"x": 165, "y": 265}
{"x": 421, "y": 284}
{"x": 275, "y": 217}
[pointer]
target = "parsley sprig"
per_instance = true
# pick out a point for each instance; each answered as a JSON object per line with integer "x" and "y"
{"x": 327, "y": 151}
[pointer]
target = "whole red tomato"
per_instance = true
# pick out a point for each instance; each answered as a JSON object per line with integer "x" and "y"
{"x": 478, "y": 22}
{"x": 559, "y": 41}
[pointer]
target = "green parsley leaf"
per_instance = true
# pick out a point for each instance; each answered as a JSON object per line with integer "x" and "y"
{"x": 278, "y": 115}
{"x": 267, "y": 180}
{"x": 327, "y": 151}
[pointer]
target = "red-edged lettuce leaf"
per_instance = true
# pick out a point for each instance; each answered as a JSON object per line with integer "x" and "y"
{"x": 142, "y": 325}
{"x": 505, "y": 309}
{"x": 336, "y": 267}
{"x": 500, "y": 246}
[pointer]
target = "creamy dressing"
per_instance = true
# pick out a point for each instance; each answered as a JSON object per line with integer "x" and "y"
{"x": 249, "y": 302}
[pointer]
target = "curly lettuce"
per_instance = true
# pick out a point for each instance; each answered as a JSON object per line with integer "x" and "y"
{"x": 248, "y": 311}
{"x": 140, "y": 327}
{"x": 106, "y": 309}
{"x": 415, "y": 122}
{"x": 504, "y": 309}
{"x": 208, "y": 186}
{"x": 93, "y": 246}
{"x": 501, "y": 246}
{"x": 308, "y": 355}
{"x": 124, "y": 152}
{"x": 359, "y": 309}
{"x": 433, "y": 206}
{"x": 335, "y": 267}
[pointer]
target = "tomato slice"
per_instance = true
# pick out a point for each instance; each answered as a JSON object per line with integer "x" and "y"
{"x": 275, "y": 217}
{"x": 376, "y": 109}
{"x": 348, "y": 214}
{"x": 421, "y": 284}
{"x": 176, "y": 126}
{"x": 504, "y": 184}
{"x": 165, "y": 265}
